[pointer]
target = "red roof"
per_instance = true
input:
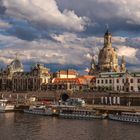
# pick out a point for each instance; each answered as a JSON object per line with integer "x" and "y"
{"x": 68, "y": 80}
{"x": 69, "y": 72}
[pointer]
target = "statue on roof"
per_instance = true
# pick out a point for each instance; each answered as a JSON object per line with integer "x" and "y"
{"x": 123, "y": 64}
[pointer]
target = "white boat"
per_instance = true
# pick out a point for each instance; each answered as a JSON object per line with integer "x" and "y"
{"x": 39, "y": 110}
{"x": 126, "y": 117}
{"x": 6, "y": 106}
{"x": 75, "y": 113}
{"x": 75, "y": 102}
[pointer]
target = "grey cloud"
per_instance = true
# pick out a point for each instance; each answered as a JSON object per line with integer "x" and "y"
{"x": 121, "y": 15}
{"x": 44, "y": 13}
{"x": 54, "y": 41}
{"x": 4, "y": 24}
{"x": 67, "y": 49}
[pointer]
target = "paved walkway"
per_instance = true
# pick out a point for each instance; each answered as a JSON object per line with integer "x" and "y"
{"x": 115, "y": 108}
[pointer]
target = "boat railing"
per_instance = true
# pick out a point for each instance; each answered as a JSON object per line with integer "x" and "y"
{"x": 130, "y": 114}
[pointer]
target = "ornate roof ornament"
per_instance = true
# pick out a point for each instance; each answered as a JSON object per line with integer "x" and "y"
{"x": 15, "y": 65}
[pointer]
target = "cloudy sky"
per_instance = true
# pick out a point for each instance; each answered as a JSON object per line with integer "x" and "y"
{"x": 64, "y": 33}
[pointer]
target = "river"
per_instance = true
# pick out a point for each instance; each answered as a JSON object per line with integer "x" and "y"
{"x": 20, "y": 126}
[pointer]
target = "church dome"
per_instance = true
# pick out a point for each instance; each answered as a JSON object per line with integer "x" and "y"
{"x": 108, "y": 58}
{"x": 16, "y": 66}
{"x": 108, "y": 55}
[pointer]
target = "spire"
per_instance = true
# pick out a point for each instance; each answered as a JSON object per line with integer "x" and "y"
{"x": 107, "y": 30}
{"x": 107, "y": 37}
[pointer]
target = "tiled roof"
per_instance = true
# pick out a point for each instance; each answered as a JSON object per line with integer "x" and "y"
{"x": 69, "y": 72}
{"x": 68, "y": 80}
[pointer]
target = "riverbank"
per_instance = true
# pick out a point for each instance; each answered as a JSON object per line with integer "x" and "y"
{"x": 126, "y": 99}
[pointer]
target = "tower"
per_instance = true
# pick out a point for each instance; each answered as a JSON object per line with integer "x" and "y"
{"x": 123, "y": 64}
{"x": 93, "y": 66}
{"x": 108, "y": 58}
{"x": 107, "y": 39}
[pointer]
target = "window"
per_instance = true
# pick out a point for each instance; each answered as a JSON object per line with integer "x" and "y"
{"x": 117, "y": 87}
{"x": 132, "y": 88}
{"x": 117, "y": 80}
{"x": 110, "y": 81}
{"x": 98, "y": 81}
{"x": 106, "y": 81}
{"x": 127, "y": 80}
{"x": 139, "y": 88}
{"x": 102, "y": 81}
{"x": 138, "y": 80}
{"x": 131, "y": 81}
{"x": 122, "y": 80}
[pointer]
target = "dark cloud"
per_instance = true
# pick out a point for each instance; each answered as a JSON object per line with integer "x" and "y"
{"x": 2, "y": 8}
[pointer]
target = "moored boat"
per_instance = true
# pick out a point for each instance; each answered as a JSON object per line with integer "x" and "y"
{"x": 39, "y": 110}
{"x": 6, "y": 106}
{"x": 77, "y": 113}
{"x": 126, "y": 117}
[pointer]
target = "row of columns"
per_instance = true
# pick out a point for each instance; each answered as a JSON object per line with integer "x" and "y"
{"x": 110, "y": 100}
{"x": 26, "y": 84}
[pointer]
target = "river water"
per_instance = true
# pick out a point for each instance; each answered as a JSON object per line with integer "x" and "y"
{"x": 20, "y": 126}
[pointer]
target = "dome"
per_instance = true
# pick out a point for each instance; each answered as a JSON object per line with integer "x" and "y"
{"x": 108, "y": 56}
{"x": 16, "y": 66}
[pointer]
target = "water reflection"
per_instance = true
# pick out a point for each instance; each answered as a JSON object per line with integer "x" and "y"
{"x": 20, "y": 126}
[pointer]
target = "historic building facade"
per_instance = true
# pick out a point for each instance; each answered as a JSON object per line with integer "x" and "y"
{"x": 107, "y": 59}
{"x": 69, "y": 80}
{"x": 81, "y": 83}
{"x": 70, "y": 73}
{"x": 7, "y": 74}
{"x": 122, "y": 82}
{"x": 110, "y": 76}
{"x": 64, "y": 80}
{"x": 31, "y": 81}
{"x": 15, "y": 79}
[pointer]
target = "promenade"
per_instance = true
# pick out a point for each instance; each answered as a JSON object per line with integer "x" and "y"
{"x": 109, "y": 108}
{"x": 89, "y": 97}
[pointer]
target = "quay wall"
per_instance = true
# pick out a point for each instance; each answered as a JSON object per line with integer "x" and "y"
{"x": 132, "y": 99}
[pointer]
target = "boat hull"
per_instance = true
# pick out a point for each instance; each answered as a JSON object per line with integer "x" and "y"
{"x": 77, "y": 116}
{"x": 7, "y": 108}
{"x": 123, "y": 119}
{"x": 38, "y": 112}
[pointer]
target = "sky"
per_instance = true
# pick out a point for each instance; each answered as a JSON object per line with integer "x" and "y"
{"x": 65, "y": 33}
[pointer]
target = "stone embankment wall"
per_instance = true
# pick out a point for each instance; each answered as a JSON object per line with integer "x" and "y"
{"x": 90, "y": 97}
